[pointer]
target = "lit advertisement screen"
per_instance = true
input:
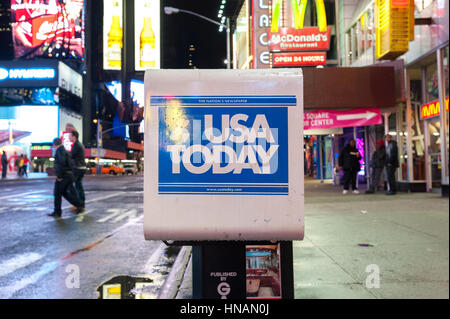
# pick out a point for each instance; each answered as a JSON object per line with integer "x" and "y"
{"x": 48, "y": 28}
{"x": 41, "y": 121}
{"x": 136, "y": 90}
{"x": 147, "y": 34}
{"x": 112, "y": 34}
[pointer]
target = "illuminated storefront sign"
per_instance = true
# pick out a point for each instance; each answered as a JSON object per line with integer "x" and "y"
{"x": 306, "y": 39}
{"x": 41, "y": 147}
{"x": 299, "y": 59}
{"x": 260, "y": 42}
{"x": 298, "y": 11}
{"x": 432, "y": 109}
{"x": 48, "y": 28}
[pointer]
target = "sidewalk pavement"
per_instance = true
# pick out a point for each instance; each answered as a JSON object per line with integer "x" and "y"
{"x": 349, "y": 238}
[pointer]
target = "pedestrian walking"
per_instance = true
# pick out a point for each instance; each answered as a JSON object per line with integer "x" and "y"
{"x": 349, "y": 162}
{"x": 4, "y": 165}
{"x": 377, "y": 164}
{"x": 26, "y": 162}
{"x": 391, "y": 164}
{"x": 78, "y": 164}
{"x": 21, "y": 164}
{"x": 64, "y": 180}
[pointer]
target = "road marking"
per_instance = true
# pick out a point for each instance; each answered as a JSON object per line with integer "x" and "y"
{"x": 130, "y": 215}
{"x": 19, "y": 195}
{"x": 113, "y": 212}
{"x": 17, "y": 262}
{"x": 8, "y": 291}
{"x": 90, "y": 201}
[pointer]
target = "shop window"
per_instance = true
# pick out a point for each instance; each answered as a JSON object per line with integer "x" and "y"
{"x": 446, "y": 81}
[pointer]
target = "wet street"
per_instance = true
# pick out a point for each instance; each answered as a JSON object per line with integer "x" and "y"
{"x": 43, "y": 257}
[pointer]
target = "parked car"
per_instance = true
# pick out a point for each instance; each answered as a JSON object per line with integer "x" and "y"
{"x": 110, "y": 169}
{"x": 130, "y": 168}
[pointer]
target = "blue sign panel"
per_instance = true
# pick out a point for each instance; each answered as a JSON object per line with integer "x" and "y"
{"x": 223, "y": 145}
{"x": 31, "y": 73}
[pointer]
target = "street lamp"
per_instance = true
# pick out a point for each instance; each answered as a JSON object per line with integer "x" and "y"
{"x": 172, "y": 10}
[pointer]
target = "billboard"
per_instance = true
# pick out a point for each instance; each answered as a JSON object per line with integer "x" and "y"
{"x": 147, "y": 34}
{"x": 224, "y": 160}
{"x": 31, "y": 118}
{"x": 112, "y": 34}
{"x": 48, "y": 28}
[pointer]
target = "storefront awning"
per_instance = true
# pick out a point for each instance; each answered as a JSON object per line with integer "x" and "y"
{"x": 16, "y": 135}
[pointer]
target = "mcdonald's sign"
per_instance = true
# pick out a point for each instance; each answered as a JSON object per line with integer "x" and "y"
{"x": 432, "y": 109}
{"x": 299, "y": 38}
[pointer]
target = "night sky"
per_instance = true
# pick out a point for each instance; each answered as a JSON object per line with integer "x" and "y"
{"x": 180, "y": 30}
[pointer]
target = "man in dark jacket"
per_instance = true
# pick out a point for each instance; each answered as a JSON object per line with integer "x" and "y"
{"x": 391, "y": 164}
{"x": 378, "y": 162}
{"x": 349, "y": 162}
{"x": 64, "y": 179}
{"x": 79, "y": 165}
{"x": 4, "y": 165}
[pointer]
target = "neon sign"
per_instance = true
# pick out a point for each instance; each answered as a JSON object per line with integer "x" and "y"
{"x": 27, "y": 73}
{"x": 432, "y": 109}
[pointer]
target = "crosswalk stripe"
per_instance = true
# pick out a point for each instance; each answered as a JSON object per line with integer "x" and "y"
{"x": 17, "y": 262}
{"x": 130, "y": 214}
{"x": 113, "y": 213}
{"x": 8, "y": 291}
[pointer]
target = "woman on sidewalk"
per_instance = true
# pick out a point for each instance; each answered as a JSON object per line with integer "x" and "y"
{"x": 349, "y": 162}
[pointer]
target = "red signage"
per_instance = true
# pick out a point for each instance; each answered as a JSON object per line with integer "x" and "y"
{"x": 432, "y": 109}
{"x": 65, "y": 138}
{"x": 400, "y": 3}
{"x": 306, "y": 39}
{"x": 299, "y": 59}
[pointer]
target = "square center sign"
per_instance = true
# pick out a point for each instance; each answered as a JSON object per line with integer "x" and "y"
{"x": 223, "y": 155}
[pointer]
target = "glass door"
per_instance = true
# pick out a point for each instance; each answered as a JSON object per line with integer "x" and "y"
{"x": 434, "y": 152}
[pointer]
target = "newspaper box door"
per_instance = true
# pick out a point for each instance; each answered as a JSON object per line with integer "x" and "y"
{"x": 223, "y": 155}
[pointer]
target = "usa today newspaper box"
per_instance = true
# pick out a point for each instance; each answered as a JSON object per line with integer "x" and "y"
{"x": 224, "y": 157}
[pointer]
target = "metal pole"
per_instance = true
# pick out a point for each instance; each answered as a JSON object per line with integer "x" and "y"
{"x": 443, "y": 117}
{"x": 367, "y": 157}
{"x": 228, "y": 45}
{"x": 409, "y": 160}
{"x": 426, "y": 133}
{"x": 319, "y": 140}
{"x": 99, "y": 169}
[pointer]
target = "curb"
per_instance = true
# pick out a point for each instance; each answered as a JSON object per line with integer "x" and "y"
{"x": 53, "y": 178}
{"x": 170, "y": 287}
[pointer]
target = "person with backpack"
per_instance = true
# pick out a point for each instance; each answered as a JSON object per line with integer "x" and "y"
{"x": 64, "y": 180}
